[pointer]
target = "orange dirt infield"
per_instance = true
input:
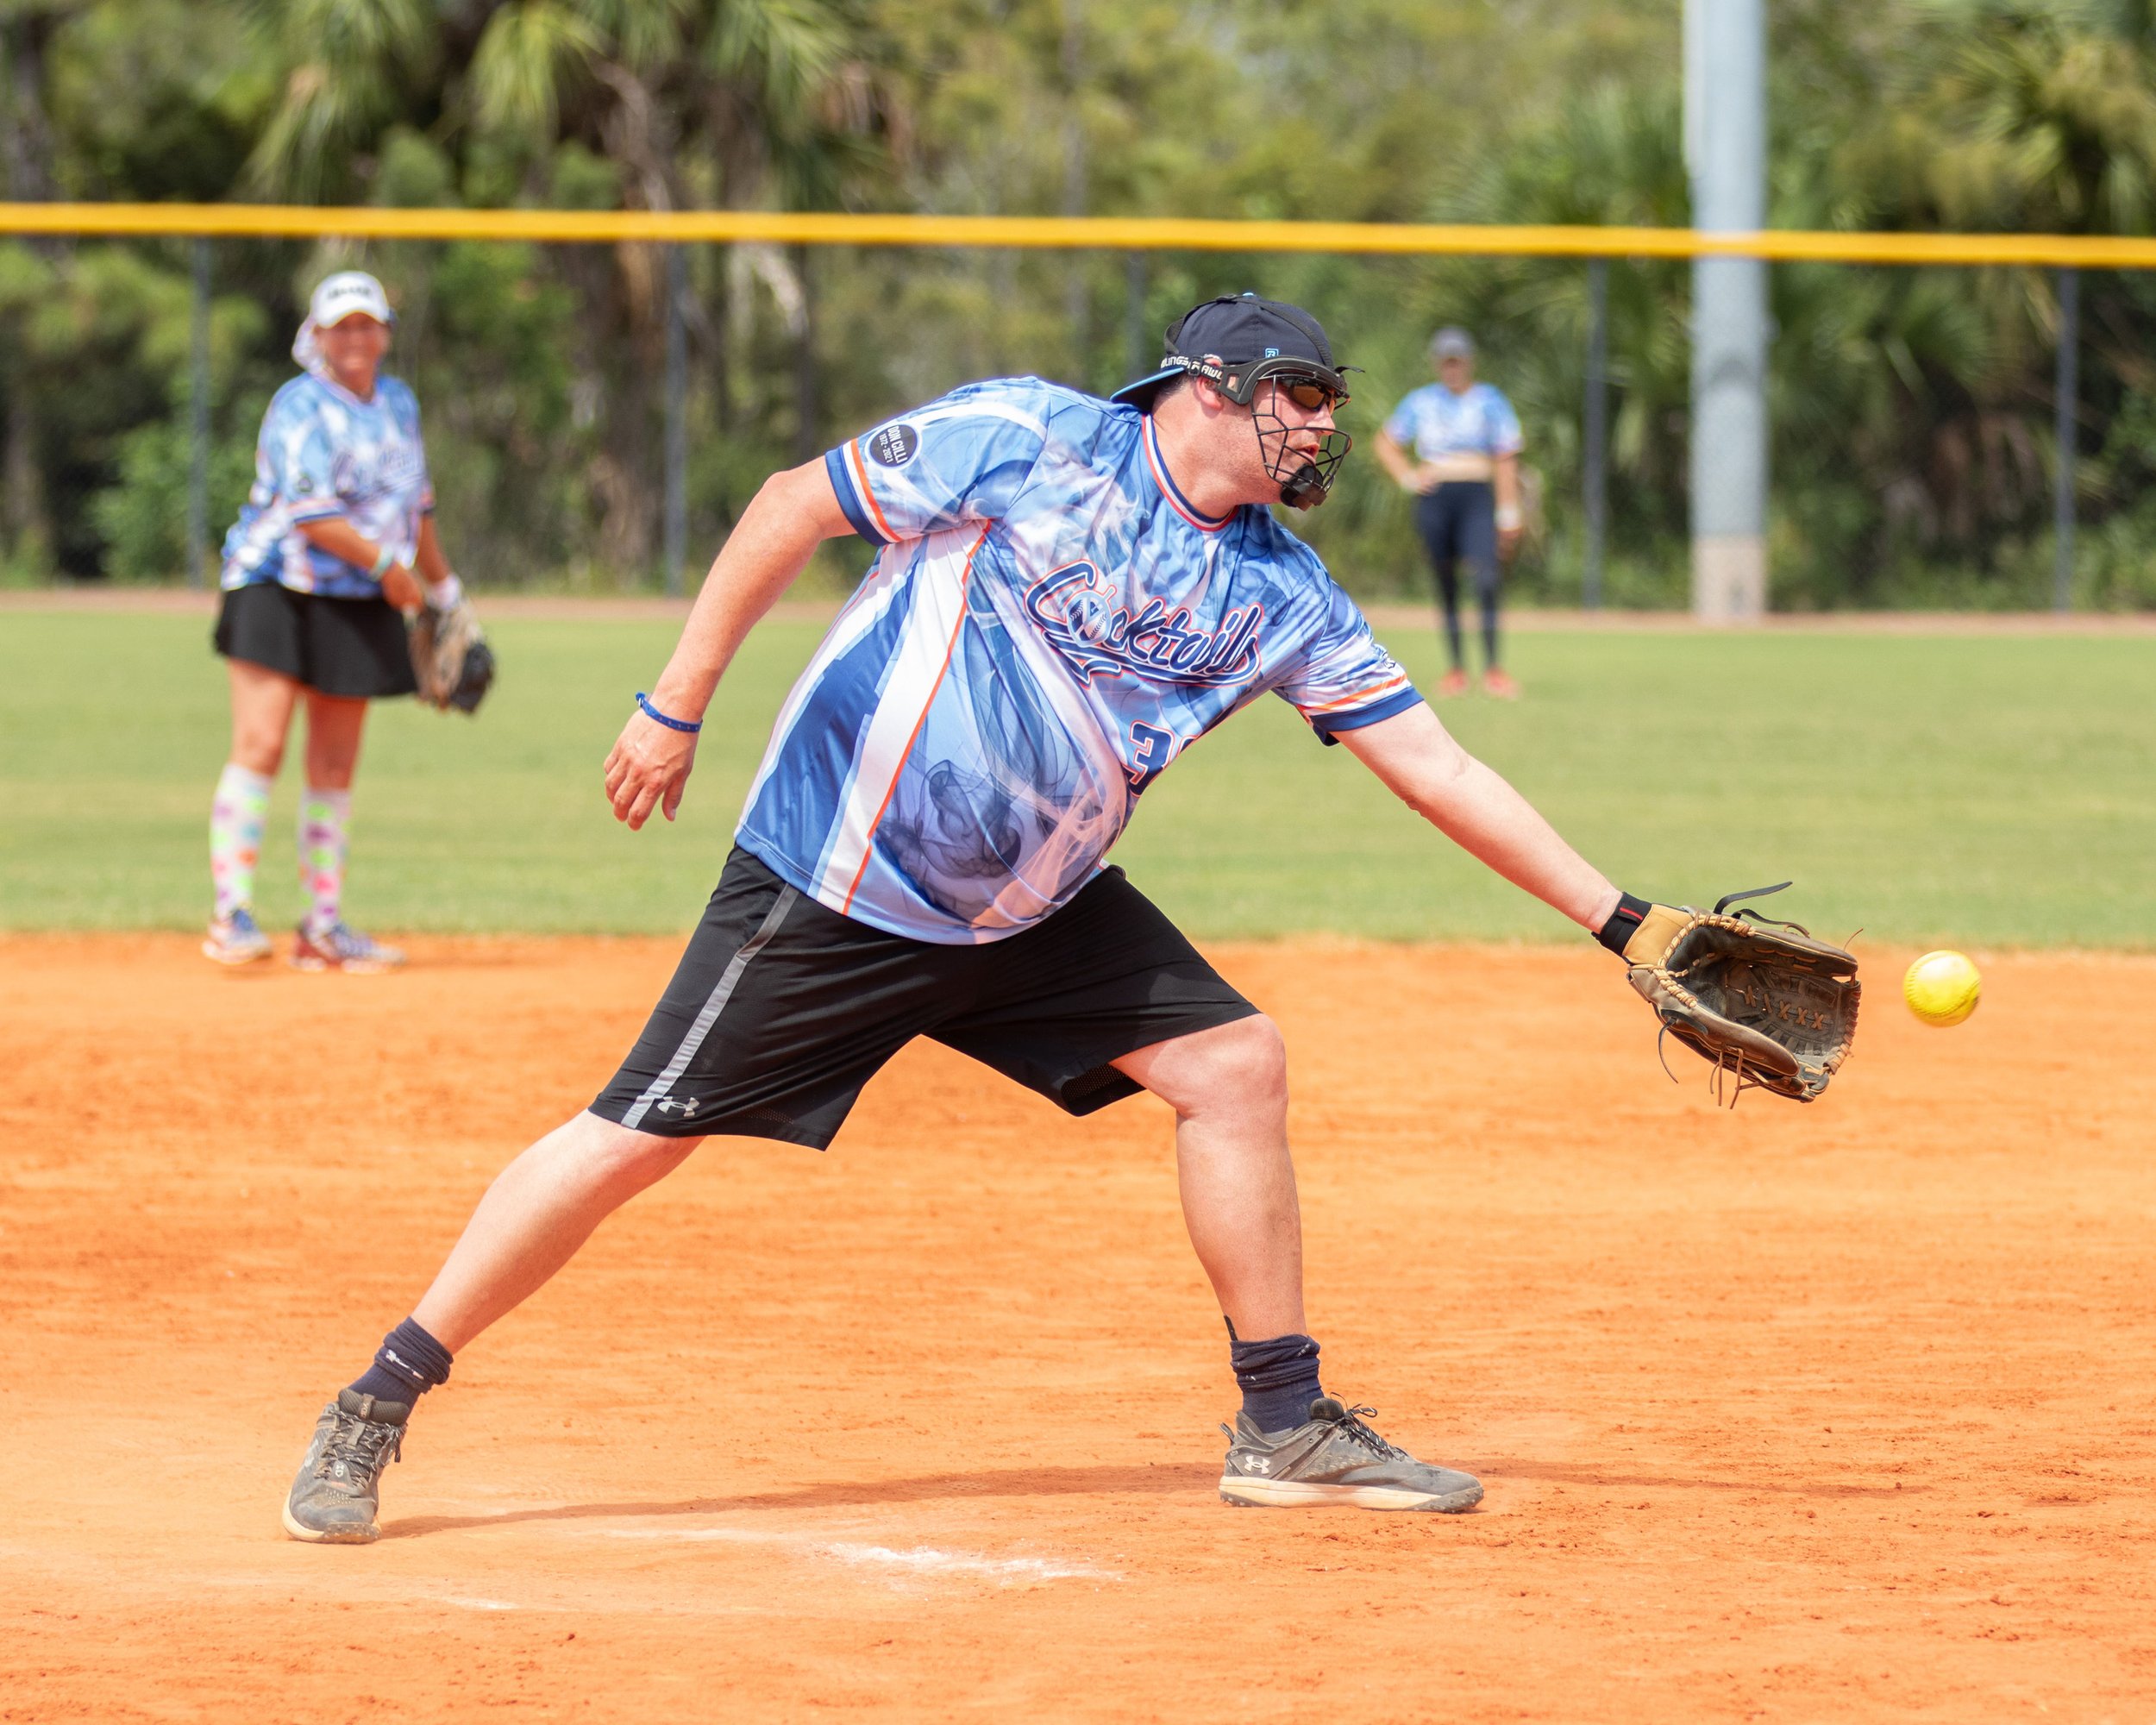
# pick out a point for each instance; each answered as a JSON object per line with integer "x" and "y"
{"x": 1837, "y": 1412}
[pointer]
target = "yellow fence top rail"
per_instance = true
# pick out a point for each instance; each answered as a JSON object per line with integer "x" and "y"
{"x": 1098, "y": 232}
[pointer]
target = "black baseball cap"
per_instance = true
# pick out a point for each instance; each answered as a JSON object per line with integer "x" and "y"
{"x": 1251, "y": 337}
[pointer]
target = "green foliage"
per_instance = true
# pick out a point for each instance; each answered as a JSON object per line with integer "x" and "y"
{"x": 1911, "y": 408}
{"x": 1956, "y": 789}
{"x": 142, "y": 518}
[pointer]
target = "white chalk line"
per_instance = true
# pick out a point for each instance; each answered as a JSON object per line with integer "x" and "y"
{"x": 909, "y": 1560}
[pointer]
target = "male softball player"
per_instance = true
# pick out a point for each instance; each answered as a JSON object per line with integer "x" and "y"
{"x": 1067, "y": 593}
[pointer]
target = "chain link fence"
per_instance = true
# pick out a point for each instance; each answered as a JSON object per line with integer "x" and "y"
{"x": 597, "y": 415}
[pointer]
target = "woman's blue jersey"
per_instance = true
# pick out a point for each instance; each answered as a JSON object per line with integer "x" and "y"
{"x": 1049, "y": 623}
{"x": 1434, "y": 423}
{"x": 324, "y": 453}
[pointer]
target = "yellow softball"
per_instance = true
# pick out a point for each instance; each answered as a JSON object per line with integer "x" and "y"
{"x": 1941, "y": 988}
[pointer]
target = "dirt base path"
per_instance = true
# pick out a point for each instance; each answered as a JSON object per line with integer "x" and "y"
{"x": 1842, "y": 1411}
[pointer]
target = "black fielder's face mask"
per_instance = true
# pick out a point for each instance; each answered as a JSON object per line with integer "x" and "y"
{"x": 1304, "y": 475}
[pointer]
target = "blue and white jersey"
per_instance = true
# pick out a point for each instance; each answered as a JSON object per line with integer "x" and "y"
{"x": 1433, "y": 423}
{"x": 1049, "y": 623}
{"x": 324, "y": 453}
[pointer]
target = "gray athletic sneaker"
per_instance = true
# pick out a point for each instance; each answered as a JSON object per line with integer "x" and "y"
{"x": 339, "y": 1488}
{"x": 1333, "y": 1458}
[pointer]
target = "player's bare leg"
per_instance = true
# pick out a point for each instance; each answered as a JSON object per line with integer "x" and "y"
{"x": 263, "y": 702}
{"x": 335, "y": 726}
{"x": 539, "y": 1210}
{"x": 1292, "y": 1445}
{"x": 1229, "y": 1089}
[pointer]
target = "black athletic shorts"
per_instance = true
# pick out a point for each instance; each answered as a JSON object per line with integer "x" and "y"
{"x": 350, "y": 647}
{"x": 781, "y": 1010}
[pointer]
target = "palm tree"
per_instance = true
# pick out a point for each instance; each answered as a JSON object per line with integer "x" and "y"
{"x": 2031, "y": 114}
{"x": 348, "y": 69}
{"x": 690, "y": 103}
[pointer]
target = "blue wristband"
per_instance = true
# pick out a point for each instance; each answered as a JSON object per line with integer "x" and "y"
{"x": 653, "y": 712}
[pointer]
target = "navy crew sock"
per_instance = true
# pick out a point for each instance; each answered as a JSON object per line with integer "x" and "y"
{"x": 409, "y": 1363}
{"x": 1279, "y": 1378}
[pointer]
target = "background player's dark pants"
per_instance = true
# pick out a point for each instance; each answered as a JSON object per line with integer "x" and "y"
{"x": 1458, "y": 520}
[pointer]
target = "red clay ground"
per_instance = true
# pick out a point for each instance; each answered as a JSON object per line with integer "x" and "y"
{"x": 1832, "y": 1413}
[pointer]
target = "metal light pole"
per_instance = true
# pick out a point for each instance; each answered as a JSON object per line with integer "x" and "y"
{"x": 1595, "y": 445}
{"x": 1725, "y": 150}
{"x": 2062, "y": 485}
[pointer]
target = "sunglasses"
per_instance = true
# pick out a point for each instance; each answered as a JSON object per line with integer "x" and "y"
{"x": 1306, "y": 392}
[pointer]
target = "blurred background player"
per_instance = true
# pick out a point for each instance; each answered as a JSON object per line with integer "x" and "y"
{"x": 317, "y": 570}
{"x": 1465, "y": 469}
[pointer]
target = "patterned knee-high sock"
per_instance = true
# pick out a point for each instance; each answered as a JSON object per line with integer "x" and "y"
{"x": 237, "y": 814}
{"x": 325, "y": 818}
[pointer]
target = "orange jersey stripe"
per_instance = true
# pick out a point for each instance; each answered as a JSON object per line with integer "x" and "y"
{"x": 868, "y": 845}
{"x": 1363, "y": 697}
{"x": 867, "y": 494}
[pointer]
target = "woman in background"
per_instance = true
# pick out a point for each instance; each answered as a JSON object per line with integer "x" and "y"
{"x": 317, "y": 570}
{"x": 1465, "y": 469}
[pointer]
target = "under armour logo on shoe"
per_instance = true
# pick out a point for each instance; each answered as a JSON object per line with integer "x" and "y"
{"x": 684, "y": 1105}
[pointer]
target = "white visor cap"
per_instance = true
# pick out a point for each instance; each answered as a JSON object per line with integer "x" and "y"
{"x": 348, "y": 294}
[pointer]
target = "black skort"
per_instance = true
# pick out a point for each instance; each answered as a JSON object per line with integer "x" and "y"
{"x": 782, "y": 1010}
{"x": 349, "y": 646}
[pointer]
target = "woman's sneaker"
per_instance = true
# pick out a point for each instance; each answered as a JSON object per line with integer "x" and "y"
{"x": 334, "y": 1500}
{"x": 339, "y": 947}
{"x": 235, "y": 939}
{"x": 1333, "y": 1458}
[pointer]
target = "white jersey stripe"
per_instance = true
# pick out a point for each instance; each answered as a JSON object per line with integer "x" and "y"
{"x": 871, "y": 601}
{"x": 922, "y": 659}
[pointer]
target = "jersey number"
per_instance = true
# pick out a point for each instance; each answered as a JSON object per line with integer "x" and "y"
{"x": 1151, "y": 748}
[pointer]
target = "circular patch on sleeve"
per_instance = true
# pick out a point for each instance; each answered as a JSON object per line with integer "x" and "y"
{"x": 893, "y": 446}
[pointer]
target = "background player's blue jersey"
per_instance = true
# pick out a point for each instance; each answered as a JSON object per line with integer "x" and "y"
{"x": 1434, "y": 423}
{"x": 324, "y": 453}
{"x": 1049, "y": 623}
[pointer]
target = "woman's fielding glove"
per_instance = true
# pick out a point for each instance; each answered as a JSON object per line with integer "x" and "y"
{"x": 449, "y": 656}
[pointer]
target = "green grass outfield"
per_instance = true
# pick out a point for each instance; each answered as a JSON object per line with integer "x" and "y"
{"x": 1978, "y": 789}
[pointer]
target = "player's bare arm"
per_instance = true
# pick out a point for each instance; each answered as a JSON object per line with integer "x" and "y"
{"x": 428, "y": 557}
{"x": 1510, "y": 524}
{"x": 1395, "y": 461}
{"x": 791, "y": 515}
{"x": 1425, "y": 767}
{"x": 340, "y": 539}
